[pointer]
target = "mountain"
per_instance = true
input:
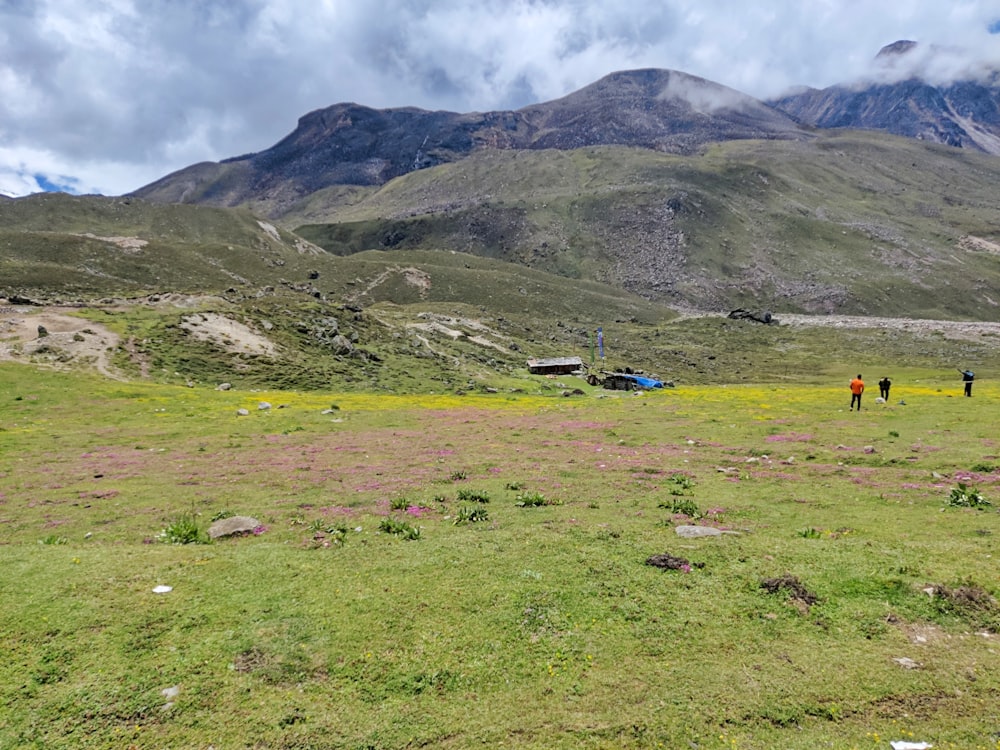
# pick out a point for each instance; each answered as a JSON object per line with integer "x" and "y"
{"x": 351, "y": 145}
{"x": 963, "y": 112}
{"x": 652, "y": 182}
{"x": 847, "y": 222}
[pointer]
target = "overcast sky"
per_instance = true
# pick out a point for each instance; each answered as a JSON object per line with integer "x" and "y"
{"x": 108, "y": 95}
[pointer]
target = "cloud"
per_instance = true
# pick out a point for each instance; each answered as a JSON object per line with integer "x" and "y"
{"x": 115, "y": 93}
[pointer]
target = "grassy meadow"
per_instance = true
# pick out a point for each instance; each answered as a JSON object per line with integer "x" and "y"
{"x": 458, "y": 571}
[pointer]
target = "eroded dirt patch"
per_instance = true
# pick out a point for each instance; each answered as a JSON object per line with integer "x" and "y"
{"x": 228, "y": 334}
{"x": 50, "y": 336}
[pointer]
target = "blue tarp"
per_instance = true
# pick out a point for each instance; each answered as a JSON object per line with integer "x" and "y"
{"x": 641, "y": 381}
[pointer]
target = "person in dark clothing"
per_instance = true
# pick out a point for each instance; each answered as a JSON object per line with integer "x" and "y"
{"x": 967, "y": 377}
{"x": 883, "y": 388}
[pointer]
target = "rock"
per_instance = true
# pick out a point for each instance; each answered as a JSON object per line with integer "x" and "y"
{"x": 232, "y": 525}
{"x": 342, "y": 345}
{"x": 263, "y": 406}
{"x": 907, "y": 663}
{"x": 242, "y": 412}
{"x": 869, "y": 449}
{"x": 694, "y": 532}
{"x": 223, "y": 386}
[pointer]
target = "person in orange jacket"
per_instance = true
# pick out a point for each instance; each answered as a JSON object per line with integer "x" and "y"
{"x": 857, "y": 388}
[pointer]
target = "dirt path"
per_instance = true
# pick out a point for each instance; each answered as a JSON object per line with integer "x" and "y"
{"x": 953, "y": 329}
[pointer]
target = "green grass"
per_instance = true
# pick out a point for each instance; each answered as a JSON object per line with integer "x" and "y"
{"x": 540, "y": 628}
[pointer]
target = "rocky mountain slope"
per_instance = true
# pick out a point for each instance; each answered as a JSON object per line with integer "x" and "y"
{"x": 348, "y": 144}
{"x": 962, "y": 112}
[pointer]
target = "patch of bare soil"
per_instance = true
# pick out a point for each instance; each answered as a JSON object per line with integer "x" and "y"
{"x": 666, "y": 561}
{"x": 228, "y": 334}
{"x": 50, "y": 336}
{"x": 793, "y": 587}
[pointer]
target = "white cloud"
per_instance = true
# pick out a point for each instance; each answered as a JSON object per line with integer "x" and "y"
{"x": 118, "y": 92}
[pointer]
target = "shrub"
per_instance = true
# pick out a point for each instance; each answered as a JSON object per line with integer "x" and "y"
{"x": 53, "y": 539}
{"x": 458, "y": 476}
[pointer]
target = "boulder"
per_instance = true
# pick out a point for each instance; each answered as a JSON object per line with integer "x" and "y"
{"x": 232, "y": 525}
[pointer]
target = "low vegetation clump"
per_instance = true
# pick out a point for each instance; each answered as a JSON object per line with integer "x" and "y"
{"x": 184, "y": 529}
{"x": 473, "y": 496}
{"x": 471, "y": 514}
{"x": 399, "y": 528}
{"x": 963, "y": 496}
{"x": 533, "y": 500}
{"x": 682, "y": 506}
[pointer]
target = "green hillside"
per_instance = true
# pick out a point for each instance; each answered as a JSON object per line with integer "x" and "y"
{"x": 852, "y": 222}
{"x": 483, "y": 264}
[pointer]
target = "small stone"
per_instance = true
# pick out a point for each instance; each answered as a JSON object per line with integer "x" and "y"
{"x": 242, "y": 412}
{"x": 263, "y": 406}
{"x": 223, "y": 386}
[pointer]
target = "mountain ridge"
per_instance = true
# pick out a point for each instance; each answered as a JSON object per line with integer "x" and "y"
{"x": 350, "y": 144}
{"x": 909, "y": 97}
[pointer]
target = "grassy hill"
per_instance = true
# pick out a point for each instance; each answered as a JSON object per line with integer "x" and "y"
{"x": 851, "y": 222}
{"x": 414, "y": 320}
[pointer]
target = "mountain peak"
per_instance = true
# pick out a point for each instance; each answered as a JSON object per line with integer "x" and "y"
{"x": 349, "y": 144}
{"x": 896, "y": 49}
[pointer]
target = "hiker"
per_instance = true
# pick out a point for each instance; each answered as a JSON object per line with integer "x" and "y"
{"x": 967, "y": 377}
{"x": 883, "y": 388}
{"x": 857, "y": 388}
